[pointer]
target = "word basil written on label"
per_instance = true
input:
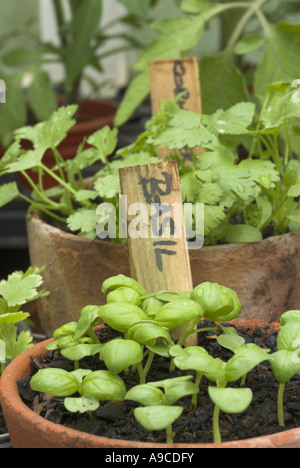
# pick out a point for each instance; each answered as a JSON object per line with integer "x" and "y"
{"x": 153, "y": 189}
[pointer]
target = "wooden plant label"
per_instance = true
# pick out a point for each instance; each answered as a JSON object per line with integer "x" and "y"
{"x": 168, "y": 78}
{"x": 158, "y": 253}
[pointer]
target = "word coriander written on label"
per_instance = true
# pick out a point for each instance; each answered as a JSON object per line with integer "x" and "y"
{"x": 166, "y": 457}
{"x": 179, "y": 71}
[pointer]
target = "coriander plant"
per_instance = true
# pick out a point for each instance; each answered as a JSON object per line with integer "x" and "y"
{"x": 244, "y": 199}
{"x": 19, "y": 289}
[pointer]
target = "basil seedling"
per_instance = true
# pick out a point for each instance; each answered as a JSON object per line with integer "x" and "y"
{"x": 92, "y": 386}
{"x": 158, "y": 412}
{"x": 286, "y": 362}
{"x": 120, "y": 281}
{"x": 147, "y": 333}
{"x": 218, "y": 302}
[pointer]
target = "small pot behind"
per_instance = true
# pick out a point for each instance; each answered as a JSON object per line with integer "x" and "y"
{"x": 265, "y": 275}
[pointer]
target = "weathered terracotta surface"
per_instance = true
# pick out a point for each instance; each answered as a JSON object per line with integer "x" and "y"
{"x": 266, "y": 275}
{"x": 28, "y": 430}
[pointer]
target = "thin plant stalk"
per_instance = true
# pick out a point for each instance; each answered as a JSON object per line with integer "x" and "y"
{"x": 280, "y": 405}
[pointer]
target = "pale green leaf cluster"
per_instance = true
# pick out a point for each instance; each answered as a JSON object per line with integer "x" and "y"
{"x": 19, "y": 289}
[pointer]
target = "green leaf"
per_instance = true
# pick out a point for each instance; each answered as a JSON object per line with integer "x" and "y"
{"x": 215, "y": 300}
{"x": 80, "y": 351}
{"x": 136, "y": 93}
{"x": 157, "y": 418}
{"x": 294, "y": 191}
{"x": 124, "y": 294}
{"x": 230, "y": 341}
{"x": 222, "y": 84}
{"x": 289, "y": 316}
{"x": 177, "y": 390}
{"x": 42, "y": 97}
{"x": 136, "y": 7}
{"x": 108, "y": 187}
{"x": 57, "y": 382}
{"x": 19, "y": 289}
{"x": 175, "y": 314}
{"x": 84, "y": 220}
{"x": 249, "y": 44}
{"x": 19, "y": 57}
{"x": 242, "y": 233}
{"x": 81, "y": 405}
{"x": 280, "y": 61}
{"x": 285, "y": 364}
{"x": 231, "y": 400}
{"x": 145, "y": 394}
{"x": 146, "y": 332}
{"x": 120, "y": 354}
{"x": 105, "y": 140}
{"x": 169, "y": 45}
{"x": 234, "y": 121}
{"x": 103, "y": 385}
{"x": 14, "y": 345}
{"x": 89, "y": 315}
{"x": 118, "y": 281}
{"x": 84, "y": 26}
{"x": 13, "y": 114}
{"x": 245, "y": 359}
{"x": 50, "y": 133}
{"x": 122, "y": 316}
{"x": 289, "y": 336}
{"x": 8, "y": 192}
{"x": 29, "y": 160}
{"x": 13, "y": 317}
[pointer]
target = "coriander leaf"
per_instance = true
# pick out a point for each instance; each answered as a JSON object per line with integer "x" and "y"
{"x": 105, "y": 140}
{"x": 83, "y": 195}
{"x": 234, "y": 121}
{"x": 84, "y": 220}
{"x": 263, "y": 172}
{"x": 26, "y": 161}
{"x": 8, "y": 192}
{"x": 213, "y": 215}
{"x": 108, "y": 187}
{"x": 19, "y": 289}
{"x": 13, "y": 317}
{"x": 50, "y": 133}
{"x": 13, "y": 345}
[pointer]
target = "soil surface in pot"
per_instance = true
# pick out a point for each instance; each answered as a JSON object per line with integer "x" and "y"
{"x": 116, "y": 420}
{"x": 3, "y": 428}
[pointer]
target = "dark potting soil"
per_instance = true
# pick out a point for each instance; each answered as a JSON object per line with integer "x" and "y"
{"x": 116, "y": 420}
{"x": 3, "y": 428}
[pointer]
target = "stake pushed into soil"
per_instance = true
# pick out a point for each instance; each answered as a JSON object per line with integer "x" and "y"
{"x": 170, "y": 78}
{"x": 158, "y": 253}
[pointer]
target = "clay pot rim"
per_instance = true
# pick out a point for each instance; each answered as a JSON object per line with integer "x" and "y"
{"x": 20, "y": 366}
{"x": 35, "y": 217}
{"x": 96, "y": 122}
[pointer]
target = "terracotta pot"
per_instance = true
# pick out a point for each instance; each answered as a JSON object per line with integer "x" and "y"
{"x": 29, "y": 430}
{"x": 265, "y": 275}
{"x": 91, "y": 116}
